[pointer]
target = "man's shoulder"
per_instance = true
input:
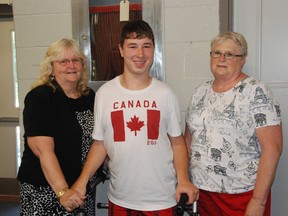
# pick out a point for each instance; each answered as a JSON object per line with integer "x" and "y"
{"x": 161, "y": 84}
{"x": 109, "y": 84}
{"x": 107, "y": 88}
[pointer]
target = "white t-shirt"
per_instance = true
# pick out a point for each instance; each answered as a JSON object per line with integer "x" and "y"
{"x": 225, "y": 149}
{"x": 134, "y": 127}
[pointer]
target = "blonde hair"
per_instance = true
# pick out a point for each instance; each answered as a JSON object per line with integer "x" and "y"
{"x": 54, "y": 53}
{"x": 238, "y": 38}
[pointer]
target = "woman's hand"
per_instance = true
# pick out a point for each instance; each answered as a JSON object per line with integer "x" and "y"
{"x": 255, "y": 208}
{"x": 71, "y": 200}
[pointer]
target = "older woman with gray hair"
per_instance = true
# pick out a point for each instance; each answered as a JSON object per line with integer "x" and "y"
{"x": 58, "y": 122}
{"x": 234, "y": 134}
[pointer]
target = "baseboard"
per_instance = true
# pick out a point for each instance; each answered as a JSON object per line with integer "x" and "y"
{"x": 9, "y": 190}
{"x": 9, "y": 187}
{"x": 9, "y": 198}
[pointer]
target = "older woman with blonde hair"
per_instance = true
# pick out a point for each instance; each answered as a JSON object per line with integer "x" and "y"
{"x": 58, "y": 122}
{"x": 55, "y": 53}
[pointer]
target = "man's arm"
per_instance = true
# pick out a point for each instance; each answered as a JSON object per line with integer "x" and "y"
{"x": 181, "y": 164}
{"x": 188, "y": 140}
{"x": 94, "y": 160}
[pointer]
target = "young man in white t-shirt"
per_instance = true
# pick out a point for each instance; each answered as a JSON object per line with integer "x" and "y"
{"x": 137, "y": 125}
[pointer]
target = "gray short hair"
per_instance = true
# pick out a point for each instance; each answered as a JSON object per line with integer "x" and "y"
{"x": 238, "y": 38}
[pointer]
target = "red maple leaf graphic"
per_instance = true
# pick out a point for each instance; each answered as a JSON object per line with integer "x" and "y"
{"x": 135, "y": 124}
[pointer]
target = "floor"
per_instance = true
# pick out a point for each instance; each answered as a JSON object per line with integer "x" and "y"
{"x": 9, "y": 208}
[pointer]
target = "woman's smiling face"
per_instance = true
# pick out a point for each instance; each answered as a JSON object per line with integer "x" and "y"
{"x": 226, "y": 67}
{"x": 68, "y": 69}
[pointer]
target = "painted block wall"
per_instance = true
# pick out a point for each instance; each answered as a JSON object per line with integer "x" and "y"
{"x": 37, "y": 24}
{"x": 189, "y": 26}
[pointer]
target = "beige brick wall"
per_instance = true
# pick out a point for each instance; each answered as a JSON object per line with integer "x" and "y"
{"x": 189, "y": 26}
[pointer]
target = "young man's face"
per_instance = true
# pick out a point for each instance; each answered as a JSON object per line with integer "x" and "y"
{"x": 138, "y": 55}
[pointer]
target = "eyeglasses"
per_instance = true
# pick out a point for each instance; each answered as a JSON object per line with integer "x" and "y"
{"x": 227, "y": 55}
{"x": 65, "y": 62}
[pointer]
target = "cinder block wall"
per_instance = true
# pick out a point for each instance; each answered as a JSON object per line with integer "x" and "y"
{"x": 37, "y": 24}
{"x": 189, "y": 26}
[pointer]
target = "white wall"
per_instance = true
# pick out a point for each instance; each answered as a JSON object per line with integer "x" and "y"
{"x": 37, "y": 23}
{"x": 189, "y": 27}
{"x": 7, "y": 103}
{"x": 266, "y": 32}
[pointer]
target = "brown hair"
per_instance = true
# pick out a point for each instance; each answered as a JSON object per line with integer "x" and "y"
{"x": 136, "y": 29}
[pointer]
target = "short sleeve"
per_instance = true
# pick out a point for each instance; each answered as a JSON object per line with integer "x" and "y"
{"x": 264, "y": 108}
{"x": 37, "y": 114}
{"x": 174, "y": 122}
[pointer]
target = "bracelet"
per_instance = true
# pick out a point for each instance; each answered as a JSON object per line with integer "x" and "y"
{"x": 62, "y": 192}
{"x": 259, "y": 202}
